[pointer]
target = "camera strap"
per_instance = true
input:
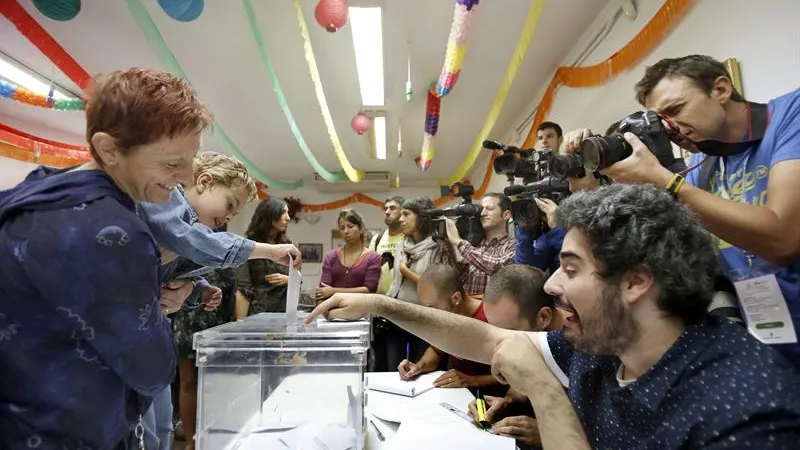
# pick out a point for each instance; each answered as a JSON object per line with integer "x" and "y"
{"x": 758, "y": 121}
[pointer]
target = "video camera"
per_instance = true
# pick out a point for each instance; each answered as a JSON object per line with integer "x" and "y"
{"x": 523, "y": 207}
{"x": 529, "y": 164}
{"x": 534, "y": 167}
{"x": 598, "y": 152}
{"x": 466, "y": 214}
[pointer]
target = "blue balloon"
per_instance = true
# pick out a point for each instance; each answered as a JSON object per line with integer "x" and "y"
{"x": 182, "y": 10}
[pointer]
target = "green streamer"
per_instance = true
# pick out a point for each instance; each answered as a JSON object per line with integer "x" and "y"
{"x": 330, "y": 177}
{"x": 156, "y": 41}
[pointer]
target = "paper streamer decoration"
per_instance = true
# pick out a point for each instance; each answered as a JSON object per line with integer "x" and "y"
{"x": 352, "y": 174}
{"x": 525, "y": 38}
{"x": 30, "y": 28}
{"x": 667, "y": 17}
{"x": 328, "y": 176}
{"x": 27, "y": 97}
{"x": 463, "y": 19}
{"x": 170, "y": 64}
{"x": 21, "y": 146}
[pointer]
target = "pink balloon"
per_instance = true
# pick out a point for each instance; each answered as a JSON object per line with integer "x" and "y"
{"x": 360, "y": 123}
{"x": 331, "y": 14}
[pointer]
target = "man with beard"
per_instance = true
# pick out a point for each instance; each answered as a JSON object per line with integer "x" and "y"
{"x": 495, "y": 250}
{"x": 643, "y": 364}
{"x": 385, "y": 242}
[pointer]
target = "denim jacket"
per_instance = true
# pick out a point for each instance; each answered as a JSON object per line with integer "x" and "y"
{"x": 174, "y": 225}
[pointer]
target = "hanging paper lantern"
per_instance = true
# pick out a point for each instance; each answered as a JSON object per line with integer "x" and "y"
{"x": 182, "y": 10}
{"x": 61, "y": 10}
{"x": 331, "y": 14}
{"x": 360, "y": 123}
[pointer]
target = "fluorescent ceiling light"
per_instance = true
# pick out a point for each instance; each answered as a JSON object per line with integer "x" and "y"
{"x": 379, "y": 126}
{"x": 367, "y": 32}
{"x": 21, "y": 76}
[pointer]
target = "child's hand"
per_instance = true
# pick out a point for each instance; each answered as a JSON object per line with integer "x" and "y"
{"x": 280, "y": 254}
{"x": 211, "y": 297}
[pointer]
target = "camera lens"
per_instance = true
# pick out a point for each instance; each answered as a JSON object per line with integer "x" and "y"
{"x": 563, "y": 167}
{"x": 599, "y": 152}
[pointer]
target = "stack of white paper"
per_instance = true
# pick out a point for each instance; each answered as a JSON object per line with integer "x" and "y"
{"x": 392, "y": 383}
{"x": 440, "y": 429}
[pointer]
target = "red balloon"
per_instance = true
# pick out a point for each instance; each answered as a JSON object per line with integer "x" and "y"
{"x": 331, "y": 14}
{"x": 360, "y": 123}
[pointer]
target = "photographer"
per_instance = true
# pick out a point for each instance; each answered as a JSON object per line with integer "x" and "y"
{"x": 549, "y": 136}
{"x": 540, "y": 251}
{"x": 744, "y": 187}
{"x": 495, "y": 251}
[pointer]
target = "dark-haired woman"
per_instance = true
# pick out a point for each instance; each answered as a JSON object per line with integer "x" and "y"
{"x": 418, "y": 250}
{"x": 261, "y": 283}
{"x": 353, "y": 267}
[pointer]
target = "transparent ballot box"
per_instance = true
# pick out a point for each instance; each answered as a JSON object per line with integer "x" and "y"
{"x": 272, "y": 382}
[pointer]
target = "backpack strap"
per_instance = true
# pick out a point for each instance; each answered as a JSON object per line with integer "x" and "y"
{"x": 378, "y": 240}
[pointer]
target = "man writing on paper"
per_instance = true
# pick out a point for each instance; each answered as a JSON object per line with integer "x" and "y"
{"x": 745, "y": 188}
{"x": 440, "y": 287}
{"x": 640, "y": 358}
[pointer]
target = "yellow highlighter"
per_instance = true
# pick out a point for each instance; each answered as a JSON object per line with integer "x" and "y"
{"x": 480, "y": 406}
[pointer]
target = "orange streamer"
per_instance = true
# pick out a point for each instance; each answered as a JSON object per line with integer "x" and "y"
{"x": 670, "y": 14}
{"x": 22, "y": 146}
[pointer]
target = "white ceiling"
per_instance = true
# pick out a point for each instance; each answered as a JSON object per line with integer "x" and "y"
{"x": 221, "y": 59}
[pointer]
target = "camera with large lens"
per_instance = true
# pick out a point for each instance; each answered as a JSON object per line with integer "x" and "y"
{"x": 523, "y": 207}
{"x": 567, "y": 166}
{"x": 599, "y": 152}
{"x": 466, "y": 214}
{"x": 513, "y": 162}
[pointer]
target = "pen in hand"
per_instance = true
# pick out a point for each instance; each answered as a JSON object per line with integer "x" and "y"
{"x": 408, "y": 351}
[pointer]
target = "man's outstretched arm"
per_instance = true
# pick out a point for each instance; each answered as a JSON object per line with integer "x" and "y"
{"x": 460, "y": 336}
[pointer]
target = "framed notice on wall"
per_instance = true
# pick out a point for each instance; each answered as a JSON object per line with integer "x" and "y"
{"x": 312, "y": 253}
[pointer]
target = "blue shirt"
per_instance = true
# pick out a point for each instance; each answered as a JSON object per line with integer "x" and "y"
{"x": 175, "y": 227}
{"x": 715, "y": 388}
{"x": 83, "y": 343}
{"x": 543, "y": 252}
{"x": 745, "y": 179}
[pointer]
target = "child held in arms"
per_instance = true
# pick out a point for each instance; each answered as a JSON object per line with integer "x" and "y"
{"x": 185, "y": 228}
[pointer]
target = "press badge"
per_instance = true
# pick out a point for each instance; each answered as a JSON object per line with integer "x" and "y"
{"x": 764, "y": 306}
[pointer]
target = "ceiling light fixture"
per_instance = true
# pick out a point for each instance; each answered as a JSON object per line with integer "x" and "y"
{"x": 379, "y": 126}
{"x": 367, "y": 29}
{"x": 15, "y": 73}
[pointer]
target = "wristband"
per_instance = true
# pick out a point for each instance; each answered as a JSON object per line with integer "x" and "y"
{"x": 675, "y": 184}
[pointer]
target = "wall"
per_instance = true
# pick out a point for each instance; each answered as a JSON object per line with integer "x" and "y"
{"x": 763, "y": 36}
{"x": 320, "y": 233}
{"x": 13, "y": 171}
